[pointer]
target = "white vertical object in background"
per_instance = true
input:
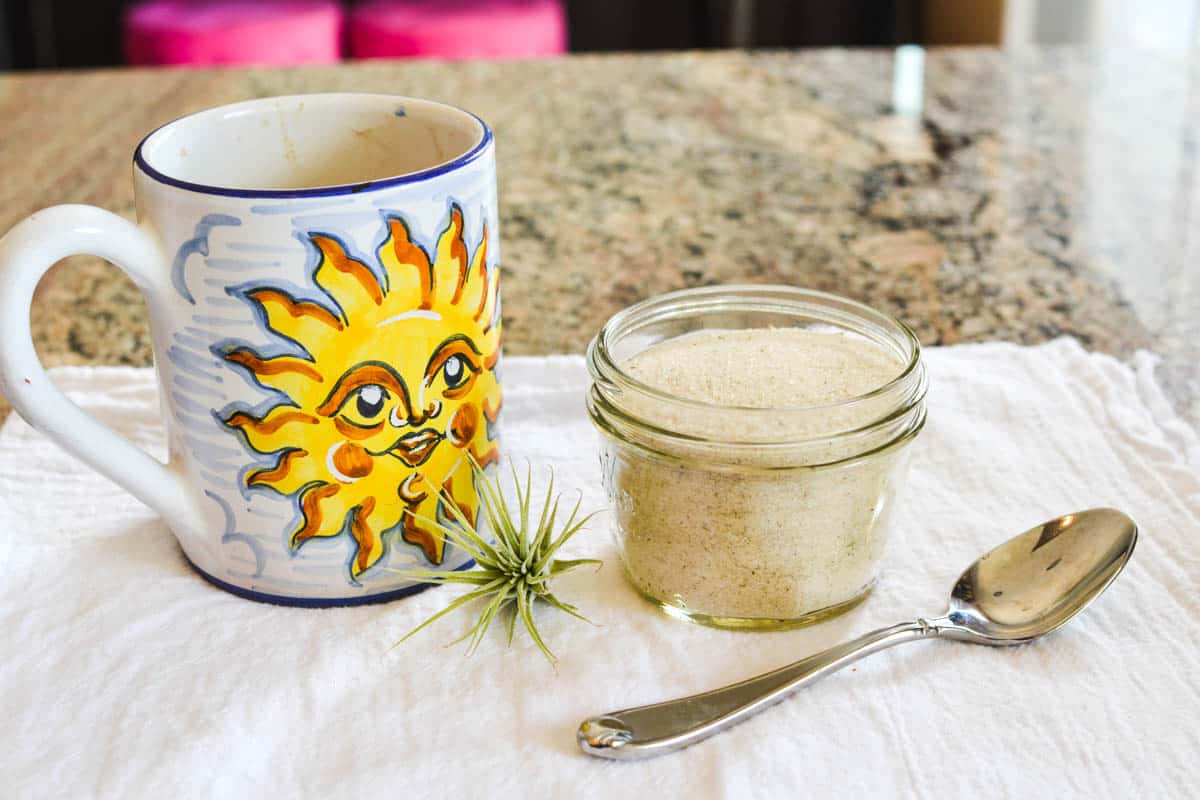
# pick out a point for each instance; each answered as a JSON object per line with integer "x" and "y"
{"x": 908, "y": 80}
{"x": 1018, "y": 29}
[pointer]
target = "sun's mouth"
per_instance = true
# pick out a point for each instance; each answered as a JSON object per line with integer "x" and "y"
{"x": 414, "y": 448}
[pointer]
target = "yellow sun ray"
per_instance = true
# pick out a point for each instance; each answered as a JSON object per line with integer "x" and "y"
{"x": 397, "y": 393}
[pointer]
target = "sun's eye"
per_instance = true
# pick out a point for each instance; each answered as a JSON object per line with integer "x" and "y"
{"x": 452, "y": 368}
{"x": 369, "y": 400}
{"x": 455, "y": 372}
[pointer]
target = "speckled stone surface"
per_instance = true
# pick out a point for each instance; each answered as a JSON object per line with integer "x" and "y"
{"x": 1047, "y": 193}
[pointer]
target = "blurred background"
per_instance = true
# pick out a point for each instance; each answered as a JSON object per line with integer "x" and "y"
{"x": 58, "y": 34}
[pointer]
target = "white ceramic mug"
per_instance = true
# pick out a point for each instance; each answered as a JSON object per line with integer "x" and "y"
{"x": 322, "y": 279}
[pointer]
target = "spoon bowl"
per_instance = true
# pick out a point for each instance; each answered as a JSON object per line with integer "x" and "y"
{"x": 1037, "y": 581}
{"x": 1023, "y": 589}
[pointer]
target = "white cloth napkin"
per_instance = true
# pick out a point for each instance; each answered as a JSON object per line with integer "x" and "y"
{"x": 126, "y": 675}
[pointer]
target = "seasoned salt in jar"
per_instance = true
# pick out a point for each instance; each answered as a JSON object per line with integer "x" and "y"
{"x": 754, "y": 441}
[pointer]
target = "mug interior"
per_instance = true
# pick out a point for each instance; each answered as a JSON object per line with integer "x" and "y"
{"x": 311, "y": 142}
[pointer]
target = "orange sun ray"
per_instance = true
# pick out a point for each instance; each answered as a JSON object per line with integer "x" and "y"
{"x": 430, "y": 541}
{"x": 304, "y": 322}
{"x": 403, "y": 261}
{"x": 451, "y": 263}
{"x": 292, "y": 472}
{"x": 343, "y": 278}
{"x": 448, "y": 494}
{"x": 278, "y": 428}
{"x": 316, "y": 519}
{"x": 490, "y": 410}
{"x": 475, "y": 291}
{"x": 488, "y": 456}
{"x": 288, "y": 374}
{"x": 487, "y": 311}
{"x": 275, "y": 419}
{"x": 365, "y": 530}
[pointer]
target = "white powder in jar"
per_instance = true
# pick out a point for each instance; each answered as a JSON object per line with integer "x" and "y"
{"x": 732, "y": 535}
{"x": 765, "y": 367}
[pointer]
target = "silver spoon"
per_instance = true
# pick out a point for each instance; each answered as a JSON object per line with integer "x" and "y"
{"x": 1025, "y": 588}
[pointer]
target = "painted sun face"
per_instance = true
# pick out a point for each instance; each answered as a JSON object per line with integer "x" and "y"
{"x": 393, "y": 395}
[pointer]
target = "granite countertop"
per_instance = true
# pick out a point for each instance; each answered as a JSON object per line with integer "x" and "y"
{"x": 1044, "y": 193}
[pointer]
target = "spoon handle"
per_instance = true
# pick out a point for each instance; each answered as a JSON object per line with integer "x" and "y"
{"x": 651, "y": 730}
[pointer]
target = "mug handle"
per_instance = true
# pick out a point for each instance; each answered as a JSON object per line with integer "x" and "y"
{"x": 26, "y": 252}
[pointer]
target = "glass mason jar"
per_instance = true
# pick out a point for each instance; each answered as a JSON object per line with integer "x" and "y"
{"x": 745, "y": 517}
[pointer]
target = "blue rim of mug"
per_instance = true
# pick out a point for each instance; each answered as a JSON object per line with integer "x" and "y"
{"x": 338, "y": 190}
{"x": 319, "y": 602}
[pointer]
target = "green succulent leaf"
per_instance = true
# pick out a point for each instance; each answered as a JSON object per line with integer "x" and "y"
{"x": 511, "y": 574}
{"x": 558, "y": 567}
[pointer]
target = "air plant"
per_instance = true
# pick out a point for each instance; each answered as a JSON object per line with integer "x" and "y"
{"x": 512, "y": 574}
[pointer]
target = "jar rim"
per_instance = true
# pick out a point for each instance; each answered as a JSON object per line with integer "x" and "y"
{"x": 604, "y": 367}
{"x": 910, "y": 423}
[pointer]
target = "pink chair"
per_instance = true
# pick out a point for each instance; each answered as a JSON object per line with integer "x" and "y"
{"x": 201, "y": 32}
{"x": 457, "y": 28}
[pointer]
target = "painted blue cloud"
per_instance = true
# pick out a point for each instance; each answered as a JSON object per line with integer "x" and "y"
{"x": 198, "y": 244}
